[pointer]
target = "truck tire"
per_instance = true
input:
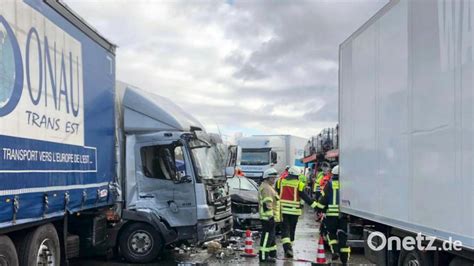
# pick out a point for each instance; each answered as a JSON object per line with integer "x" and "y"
{"x": 415, "y": 258}
{"x": 8, "y": 254}
{"x": 140, "y": 243}
{"x": 39, "y": 246}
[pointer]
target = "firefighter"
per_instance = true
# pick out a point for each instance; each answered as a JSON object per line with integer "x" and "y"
{"x": 291, "y": 190}
{"x": 335, "y": 225}
{"x": 269, "y": 209}
{"x": 317, "y": 180}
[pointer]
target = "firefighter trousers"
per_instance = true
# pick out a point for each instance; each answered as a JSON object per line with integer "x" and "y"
{"x": 288, "y": 228}
{"x": 268, "y": 246}
{"x": 336, "y": 236}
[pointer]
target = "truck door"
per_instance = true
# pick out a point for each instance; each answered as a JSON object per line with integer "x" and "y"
{"x": 165, "y": 182}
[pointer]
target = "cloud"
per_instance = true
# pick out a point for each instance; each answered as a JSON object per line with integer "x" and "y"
{"x": 252, "y": 66}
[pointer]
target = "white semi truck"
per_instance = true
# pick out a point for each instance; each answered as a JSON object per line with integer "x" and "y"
{"x": 406, "y": 131}
{"x": 261, "y": 152}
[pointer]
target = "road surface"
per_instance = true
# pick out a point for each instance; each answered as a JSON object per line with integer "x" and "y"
{"x": 305, "y": 248}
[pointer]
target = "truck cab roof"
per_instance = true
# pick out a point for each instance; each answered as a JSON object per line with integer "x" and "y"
{"x": 145, "y": 112}
{"x": 260, "y": 142}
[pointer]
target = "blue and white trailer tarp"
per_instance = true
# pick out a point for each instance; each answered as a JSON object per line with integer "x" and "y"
{"x": 57, "y": 79}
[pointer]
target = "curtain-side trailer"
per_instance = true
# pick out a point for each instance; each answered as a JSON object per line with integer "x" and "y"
{"x": 57, "y": 80}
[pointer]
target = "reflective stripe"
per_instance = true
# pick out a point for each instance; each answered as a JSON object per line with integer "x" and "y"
{"x": 319, "y": 205}
{"x": 329, "y": 241}
{"x": 333, "y": 242}
{"x": 314, "y": 204}
{"x": 264, "y": 248}
{"x": 272, "y": 248}
{"x": 332, "y": 214}
{"x": 266, "y": 215}
{"x": 277, "y": 213}
{"x": 315, "y": 187}
{"x": 267, "y": 199}
{"x": 289, "y": 202}
{"x": 346, "y": 250}
{"x": 286, "y": 240}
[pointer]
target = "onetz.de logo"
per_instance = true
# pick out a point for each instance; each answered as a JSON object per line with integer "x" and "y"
{"x": 377, "y": 241}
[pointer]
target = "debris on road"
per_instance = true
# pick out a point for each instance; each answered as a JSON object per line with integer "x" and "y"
{"x": 213, "y": 247}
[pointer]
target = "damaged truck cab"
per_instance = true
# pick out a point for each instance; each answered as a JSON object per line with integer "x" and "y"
{"x": 174, "y": 177}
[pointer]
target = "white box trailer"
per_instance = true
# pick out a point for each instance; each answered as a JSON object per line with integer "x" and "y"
{"x": 406, "y": 97}
{"x": 261, "y": 152}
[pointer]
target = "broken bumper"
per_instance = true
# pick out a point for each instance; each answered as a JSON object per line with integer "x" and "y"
{"x": 210, "y": 229}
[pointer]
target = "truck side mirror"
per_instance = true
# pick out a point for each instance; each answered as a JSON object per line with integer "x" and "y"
{"x": 274, "y": 156}
{"x": 229, "y": 171}
{"x": 234, "y": 155}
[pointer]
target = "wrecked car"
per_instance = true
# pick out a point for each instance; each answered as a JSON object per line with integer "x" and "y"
{"x": 244, "y": 198}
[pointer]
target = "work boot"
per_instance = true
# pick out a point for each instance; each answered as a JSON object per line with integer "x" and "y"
{"x": 335, "y": 257}
{"x": 289, "y": 253}
{"x": 268, "y": 260}
{"x": 273, "y": 254}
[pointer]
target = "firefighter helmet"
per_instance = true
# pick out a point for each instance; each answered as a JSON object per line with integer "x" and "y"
{"x": 270, "y": 172}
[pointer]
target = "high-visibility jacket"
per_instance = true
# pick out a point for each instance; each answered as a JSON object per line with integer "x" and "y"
{"x": 317, "y": 182}
{"x": 291, "y": 191}
{"x": 303, "y": 179}
{"x": 268, "y": 203}
{"x": 329, "y": 200}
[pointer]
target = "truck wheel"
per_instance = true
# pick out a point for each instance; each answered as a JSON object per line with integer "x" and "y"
{"x": 140, "y": 242}
{"x": 415, "y": 258}
{"x": 8, "y": 254}
{"x": 40, "y": 246}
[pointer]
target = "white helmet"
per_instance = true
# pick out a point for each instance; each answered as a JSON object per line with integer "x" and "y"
{"x": 294, "y": 171}
{"x": 270, "y": 172}
{"x": 335, "y": 170}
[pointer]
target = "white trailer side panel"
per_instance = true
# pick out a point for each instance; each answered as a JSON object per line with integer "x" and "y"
{"x": 296, "y": 151}
{"x": 406, "y": 119}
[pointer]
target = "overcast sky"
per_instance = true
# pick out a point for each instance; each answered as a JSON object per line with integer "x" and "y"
{"x": 257, "y": 67}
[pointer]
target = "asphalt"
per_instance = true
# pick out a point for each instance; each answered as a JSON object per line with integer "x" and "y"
{"x": 305, "y": 248}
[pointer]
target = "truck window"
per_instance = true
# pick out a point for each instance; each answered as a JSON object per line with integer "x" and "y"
{"x": 163, "y": 161}
{"x": 180, "y": 161}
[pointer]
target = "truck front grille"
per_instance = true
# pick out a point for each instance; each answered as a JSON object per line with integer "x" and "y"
{"x": 222, "y": 208}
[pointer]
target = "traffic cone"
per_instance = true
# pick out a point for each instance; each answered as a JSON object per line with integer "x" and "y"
{"x": 321, "y": 255}
{"x": 248, "y": 251}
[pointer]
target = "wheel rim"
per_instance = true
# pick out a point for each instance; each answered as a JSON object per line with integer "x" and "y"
{"x": 4, "y": 260}
{"x": 140, "y": 242}
{"x": 411, "y": 260}
{"x": 46, "y": 253}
